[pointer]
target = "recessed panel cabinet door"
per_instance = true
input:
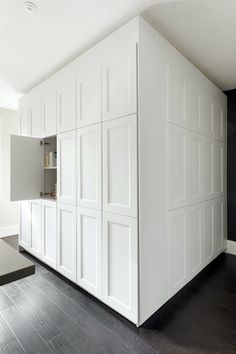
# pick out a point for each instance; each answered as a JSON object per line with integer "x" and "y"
{"x": 120, "y": 166}
{"x": 66, "y": 184}
{"x": 89, "y": 250}
{"x": 177, "y": 166}
{"x": 66, "y": 100}
{"x": 218, "y": 225}
{"x": 89, "y": 88}
{"x": 35, "y": 116}
{"x": 89, "y": 166}
{"x": 24, "y": 114}
{"x": 35, "y": 227}
{"x": 24, "y": 237}
{"x": 49, "y": 111}
{"x": 26, "y": 168}
{"x": 49, "y": 232}
{"x": 119, "y": 80}
{"x": 66, "y": 240}
{"x": 120, "y": 264}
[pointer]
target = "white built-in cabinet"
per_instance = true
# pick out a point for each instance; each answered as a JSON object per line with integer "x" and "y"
{"x": 89, "y": 89}
{"x": 140, "y": 136}
{"x": 120, "y": 166}
{"x": 49, "y": 108}
{"x": 30, "y": 228}
{"x": 66, "y": 240}
{"x": 66, "y": 166}
{"x": 120, "y": 268}
{"x": 66, "y": 99}
{"x": 89, "y": 166}
{"x": 35, "y": 227}
{"x": 35, "y": 127}
{"x": 89, "y": 250}
{"x": 49, "y": 232}
{"x": 24, "y": 236}
{"x": 119, "y": 76}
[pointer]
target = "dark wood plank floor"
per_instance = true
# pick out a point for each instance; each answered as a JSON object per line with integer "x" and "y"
{"x": 45, "y": 313}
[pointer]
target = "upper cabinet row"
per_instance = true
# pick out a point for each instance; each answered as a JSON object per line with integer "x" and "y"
{"x": 99, "y": 85}
{"x": 191, "y": 108}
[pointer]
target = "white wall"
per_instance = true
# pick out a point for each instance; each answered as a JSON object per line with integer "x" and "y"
{"x": 9, "y": 124}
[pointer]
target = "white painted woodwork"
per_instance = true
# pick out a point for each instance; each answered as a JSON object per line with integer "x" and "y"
{"x": 66, "y": 167}
{"x": 120, "y": 166}
{"x": 139, "y": 119}
{"x": 195, "y": 237}
{"x": 24, "y": 116}
{"x": 207, "y": 116}
{"x": 24, "y": 236}
{"x": 218, "y": 120}
{"x": 89, "y": 165}
{"x": 194, "y": 168}
{"x": 49, "y": 235}
{"x": 207, "y": 165}
{"x": 66, "y": 99}
{"x": 176, "y": 101}
{"x": 49, "y": 108}
{"x": 152, "y": 171}
{"x": 193, "y": 240}
{"x": 120, "y": 271}
{"x": 177, "y": 169}
{"x": 89, "y": 88}
{"x": 193, "y": 108}
{"x": 35, "y": 115}
{"x": 177, "y": 234}
{"x": 26, "y": 168}
{"x": 89, "y": 250}
{"x": 119, "y": 73}
{"x": 66, "y": 240}
{"x": 218, "y": 168}
{"x": 218, "y": 225}
{"x": 35, "y": 227}
{"x": 207, "y": 232}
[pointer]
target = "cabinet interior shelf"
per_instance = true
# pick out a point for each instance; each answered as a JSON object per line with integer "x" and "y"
{"x": 50, "y": 168}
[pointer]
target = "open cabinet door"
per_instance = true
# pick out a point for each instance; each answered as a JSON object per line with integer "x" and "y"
{"x": 26, "y": 168}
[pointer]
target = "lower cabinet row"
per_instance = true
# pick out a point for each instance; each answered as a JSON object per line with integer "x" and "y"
{"x": 96, "y": 250}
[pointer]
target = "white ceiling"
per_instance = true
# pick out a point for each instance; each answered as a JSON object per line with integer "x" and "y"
{"x": 32, "y": 46}
{"x": 205, "y": 32}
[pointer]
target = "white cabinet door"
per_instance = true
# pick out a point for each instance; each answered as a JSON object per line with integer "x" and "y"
{"x": 66, "y": 100}
{"x": 218, "y": 226}
{"x": 26, "y": 168}
{"x": 24, "y": 237}
{"x": 207, "y": 160}
{"x": 49, "y": 109}
{"x": 66, "y": 240}
{"x": 49, "y": 232}
{"x": 35, "y": 227}
{"x": 89, "y": 250}
{"x": 194, "y": 169}
{"x": 120, "y": 264}
{"x": 89, "y": 166}
{"x": 24, "y": 113}
{"x": 218, "y": 168}
{"x": 177, "y": 166}
{"x": 120, "y": 166}
{"x": 207, "y": 232}
{"x": 119, "y": 79}
{"x": 193, "y": 241}
{"x": 66, "y": 162}
{"x": 35, "y": 115}
{"x": 177, "y": 262}
{"x": 89, "y": 88}
{"x": 218, "y": 120}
